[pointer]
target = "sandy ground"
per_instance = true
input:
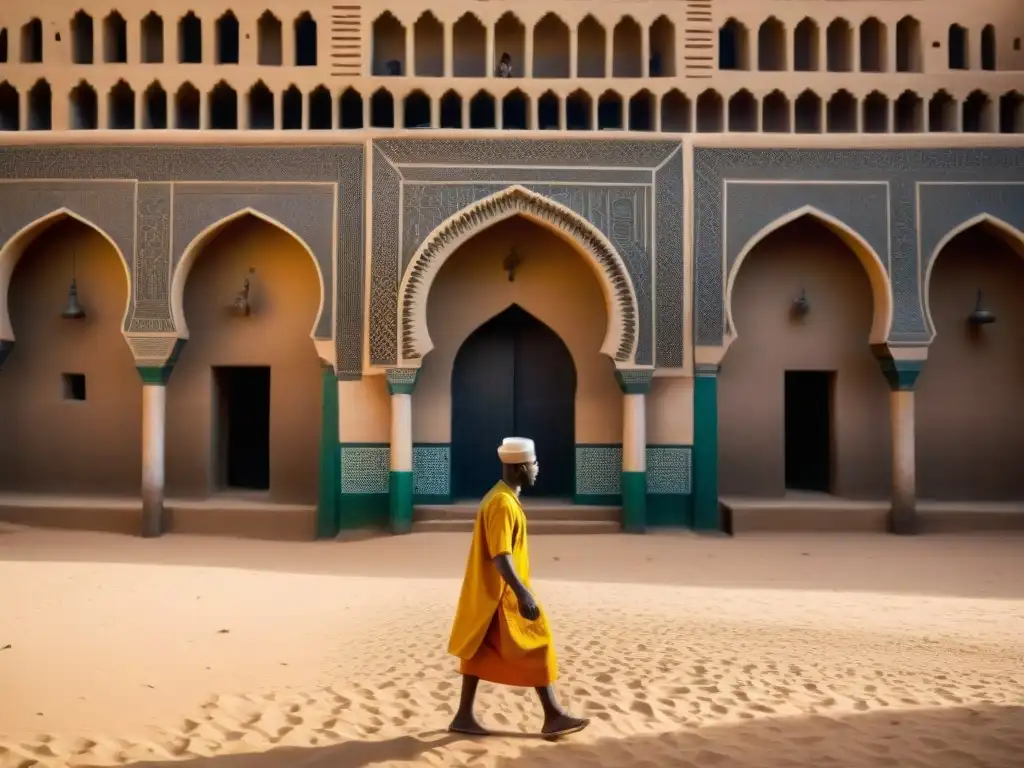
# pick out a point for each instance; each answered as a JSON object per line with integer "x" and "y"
{"x": 759, "y": 652}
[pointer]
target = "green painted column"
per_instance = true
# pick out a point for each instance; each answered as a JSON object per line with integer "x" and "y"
{"x": 635, "y": 384}
{"x": 401, "y": 383}
{"x": 154, "y": 441}
{"x": 901, "y": 366}
{"x": 328, "y": 505}
{"x": 706, "y": 514}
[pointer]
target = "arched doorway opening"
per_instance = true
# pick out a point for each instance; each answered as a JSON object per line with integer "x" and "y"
{"x": 70, "y": 397}
{"x": 513, "y": 376}
{"x": 969, "y": 412}
{"x": 803, "y": 406}
{"x": 243, "y": 405}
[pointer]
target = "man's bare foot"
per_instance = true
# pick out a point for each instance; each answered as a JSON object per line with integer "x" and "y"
{"x": 467, "y": 724}
{"x": 563, "y": 724}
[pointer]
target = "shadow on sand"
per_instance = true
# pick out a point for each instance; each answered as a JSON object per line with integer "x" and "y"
{"x": 976, "y": 737}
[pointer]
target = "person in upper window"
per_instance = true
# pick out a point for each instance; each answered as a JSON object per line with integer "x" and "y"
{"x": 505, "y": 66}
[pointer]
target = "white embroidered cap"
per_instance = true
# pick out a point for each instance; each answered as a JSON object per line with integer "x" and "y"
{"x": 517, "y": 450}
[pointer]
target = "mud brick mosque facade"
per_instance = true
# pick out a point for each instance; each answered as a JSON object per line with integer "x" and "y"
{"x": 706, "y": 253}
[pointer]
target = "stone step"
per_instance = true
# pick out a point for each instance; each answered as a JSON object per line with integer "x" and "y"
{"x": 536, "y": 513}
{"x": 537, "y": 527}
{"x": 818, "y": 513}
{"x": 970, "y": 517}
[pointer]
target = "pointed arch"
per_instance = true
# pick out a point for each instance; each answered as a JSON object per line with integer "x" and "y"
{"x": 18, "y": 243}
{"x": 188, "y": 257}
{"x": 874, "y": 267}
{"x": 620, "y": 298}
{"x": 1006, "y": 231}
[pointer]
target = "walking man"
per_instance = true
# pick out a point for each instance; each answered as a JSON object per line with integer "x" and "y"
{"x": 500, "y": 632}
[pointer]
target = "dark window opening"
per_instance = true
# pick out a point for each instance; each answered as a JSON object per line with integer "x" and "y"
{"x": 74, "y": 386}
{"x": 547, "y": 112}
{"x": 515, "y": 112}
{"x": 482, "y": 113}
{"x": 305, "y": 41}
{"x": 320, "y": 109}
{"x": 291, "y": 110}
{"x": 227, "y": 39}
{"x": 451, "y": 110}
{"x": 190, "y": 39}
{"x": 351, "y": 109}
{"x": 382, "y": 110}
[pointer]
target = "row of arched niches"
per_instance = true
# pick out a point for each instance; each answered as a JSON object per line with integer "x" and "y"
{"x": 423, "y": 49}
{"x": 671, "y": 97}
{"x": 223, "y": 108}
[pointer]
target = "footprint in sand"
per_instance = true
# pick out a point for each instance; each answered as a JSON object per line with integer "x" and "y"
{"x": 642, "y": 708}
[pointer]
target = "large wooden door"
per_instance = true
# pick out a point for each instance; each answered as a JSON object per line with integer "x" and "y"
{"x": 545, "y": 404}
{"x": 483, "y": 381}
{"x": 513, "y": 377}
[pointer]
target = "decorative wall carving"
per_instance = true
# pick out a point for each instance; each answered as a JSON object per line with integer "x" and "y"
{"x": 302, "y": 208}
{"x": 614, "y": 185}
{"x": 479, "y": 215}
{"x": 46, "y": 169}
{"x": 901, "y": 170}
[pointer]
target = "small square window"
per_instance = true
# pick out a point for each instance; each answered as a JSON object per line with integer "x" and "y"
{"x": 74, "y": 386}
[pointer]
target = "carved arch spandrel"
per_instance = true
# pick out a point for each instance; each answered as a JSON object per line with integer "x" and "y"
{"x": 620, "y": 297}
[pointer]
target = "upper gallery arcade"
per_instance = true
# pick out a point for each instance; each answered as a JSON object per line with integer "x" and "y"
{"x": 669, "y": 65}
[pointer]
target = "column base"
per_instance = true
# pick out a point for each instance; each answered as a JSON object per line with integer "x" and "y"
{"x": 634, "y": 502}
{"x": 152, "y": 516}
{"x": 903, "y": 517}
{"x": 400, "y": 486}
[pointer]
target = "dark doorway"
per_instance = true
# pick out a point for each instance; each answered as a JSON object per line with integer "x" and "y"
{"x": 243, "y": 427}
{"x": 513, "y": 376}
{"x": 808, "y": 424}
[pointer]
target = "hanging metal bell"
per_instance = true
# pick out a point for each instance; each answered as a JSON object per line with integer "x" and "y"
{"x": 74, "y": 310}
{"x": 980, "y": 315}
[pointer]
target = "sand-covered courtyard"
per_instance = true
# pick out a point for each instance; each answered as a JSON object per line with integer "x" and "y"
{"x": 759, "y": 652}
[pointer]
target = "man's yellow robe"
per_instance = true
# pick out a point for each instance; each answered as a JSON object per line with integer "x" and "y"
{"x": 494, "y": 642}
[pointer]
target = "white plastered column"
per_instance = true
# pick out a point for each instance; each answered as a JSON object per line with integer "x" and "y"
{"x": 154, "y": 429}
{"x": 634, "y": 432}
{"x": 401, "y": 432}
{"x": 901, "y": 366}
{"x": 904, "y": 462}
{"x": 155, "y": 357}
{"x": 401, "y": 383}
{"x": 635, "y": 384}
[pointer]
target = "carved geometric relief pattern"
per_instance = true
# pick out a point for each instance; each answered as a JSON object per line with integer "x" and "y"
{"x": 351, "y": 254}
{"x": 152, "y": 350}
{"x": 599, "y": 470}
{"x": 900, "y": 169}
{"x": 480, "y": 215}
{"x": 365, "y": 468}
{"x": 151, "y": 305}
{"x": 670, "y": 275}
{"x": 431, "y": 470}
{"x": 110, "y": 206}
{"x": 458, "y": 173}
{"x": 385, "y": 276}
{"x": 946, "y": 207}
{"x": 565, "y": 153}
{"x": 306, "y": 209}
{"x": 338, "y": 164}
{"x": 862, "y": 207}
{"x": 669, "y": 469}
